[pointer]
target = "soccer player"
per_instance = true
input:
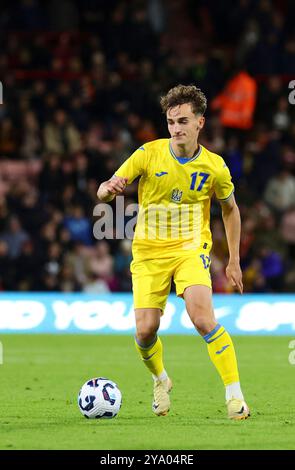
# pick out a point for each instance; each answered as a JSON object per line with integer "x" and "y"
{"x": 178, "y": 177}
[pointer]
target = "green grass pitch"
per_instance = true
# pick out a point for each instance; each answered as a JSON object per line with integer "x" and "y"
{"x": 41, "y": 375}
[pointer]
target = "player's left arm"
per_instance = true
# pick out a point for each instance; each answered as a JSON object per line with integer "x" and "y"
{"x": 232, "y": 224}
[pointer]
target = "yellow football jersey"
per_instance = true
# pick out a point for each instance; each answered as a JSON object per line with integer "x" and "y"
{"x": 174, "y": 195}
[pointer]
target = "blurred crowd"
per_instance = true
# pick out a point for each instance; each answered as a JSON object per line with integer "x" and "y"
{"x": 81, "y": 88}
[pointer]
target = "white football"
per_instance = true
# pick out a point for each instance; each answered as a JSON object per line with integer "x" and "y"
{"x": 99, "y": 398}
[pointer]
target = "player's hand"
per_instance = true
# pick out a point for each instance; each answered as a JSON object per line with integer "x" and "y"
{"x": 234, "y": 275}
{"x": 109, "y": 189}
{"x": 115, "y": 185}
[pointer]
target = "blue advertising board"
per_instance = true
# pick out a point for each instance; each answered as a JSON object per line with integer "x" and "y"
{"x": 113, "y": 314}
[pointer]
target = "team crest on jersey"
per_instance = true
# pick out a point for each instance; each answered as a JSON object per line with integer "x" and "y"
{"x": 176, "y": 195}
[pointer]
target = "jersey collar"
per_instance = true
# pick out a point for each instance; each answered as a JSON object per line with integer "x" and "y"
{"x": 183, "y": 160}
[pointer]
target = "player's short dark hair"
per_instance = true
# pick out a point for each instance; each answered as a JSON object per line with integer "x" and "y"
{"x": 182, "y": 94}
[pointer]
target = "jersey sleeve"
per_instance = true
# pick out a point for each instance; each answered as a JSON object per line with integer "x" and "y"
{"x": 223, "y": 184}
{"x": 134, "y": 166}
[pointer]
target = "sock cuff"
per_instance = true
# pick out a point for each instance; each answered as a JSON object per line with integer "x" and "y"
{"x": 214, "y": 334}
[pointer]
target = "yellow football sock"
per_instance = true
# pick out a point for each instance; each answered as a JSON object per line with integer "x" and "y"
{"x": 152, "y": 356}
{"x": 222, "y": 353}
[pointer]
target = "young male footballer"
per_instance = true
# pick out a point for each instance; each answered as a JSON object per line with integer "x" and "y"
{"x": 178, "y": 177}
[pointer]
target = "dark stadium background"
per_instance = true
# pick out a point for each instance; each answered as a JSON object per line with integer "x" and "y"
{"x": 81, "y": 87}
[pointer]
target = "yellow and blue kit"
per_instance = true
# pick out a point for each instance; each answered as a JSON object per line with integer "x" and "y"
{"x": 172, "y": 236}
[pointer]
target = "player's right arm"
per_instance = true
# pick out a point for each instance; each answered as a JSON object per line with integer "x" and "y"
{"x": 134, "y": 166}
{"x": 110, "y": 188}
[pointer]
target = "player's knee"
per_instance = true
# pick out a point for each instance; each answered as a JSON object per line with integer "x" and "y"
{"x": 203, "y": 320}
{"x": 204, "y": 326}
{"x": 145, "y": 334}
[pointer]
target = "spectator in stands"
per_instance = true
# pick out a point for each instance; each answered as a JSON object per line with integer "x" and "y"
{"x": 8, "y": 138}
{"x": 96, "y": 285}
{"x": 67, "y": 280}
{"x": 280, "y": 191}
{"x": 101, "y": 264}
{"x": 287, "y": 230}
{"x": 60, "y": 136}
{"x": 31, "y": 144}
{"x": 237, "y": 102}
{"x": 15, "y": 237}
{"x": 123, "y": 258}
{"x": 79, "y": 226}
{"x": 6, "y": 268}
{"x": 77, "y": 260}
{"x": 27, "y": 268}
{"x": 272, "y": 268}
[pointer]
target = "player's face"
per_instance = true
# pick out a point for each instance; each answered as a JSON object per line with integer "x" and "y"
{"x": 183, "y": 124}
